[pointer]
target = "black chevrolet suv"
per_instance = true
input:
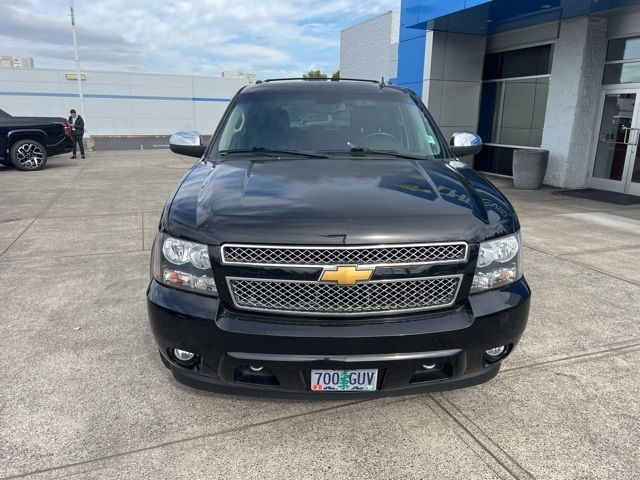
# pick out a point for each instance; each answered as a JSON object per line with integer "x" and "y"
{"x": 329, "y": 242}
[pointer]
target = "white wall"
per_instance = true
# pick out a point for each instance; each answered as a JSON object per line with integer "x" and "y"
{"x": 369, "y": 50}
{"x": 574, "y": 93}
{"x": 121, "y": 103}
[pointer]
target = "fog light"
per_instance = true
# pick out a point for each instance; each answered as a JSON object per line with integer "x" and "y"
{"x": 495, "y": 352}
{"x": 429, "y": 366}
{"x": 256, "y": 369}
{"x": 183, "y": 355}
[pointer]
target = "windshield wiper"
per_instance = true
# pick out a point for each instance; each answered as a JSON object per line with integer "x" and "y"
{"x": 391, "y": 153}
{"x": 274, "y": 151}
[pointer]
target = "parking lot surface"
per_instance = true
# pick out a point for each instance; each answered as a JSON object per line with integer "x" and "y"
{"x": 84, "y": 394}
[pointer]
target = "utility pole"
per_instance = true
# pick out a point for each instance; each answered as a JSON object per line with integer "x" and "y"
{"x": 83, "y": 111}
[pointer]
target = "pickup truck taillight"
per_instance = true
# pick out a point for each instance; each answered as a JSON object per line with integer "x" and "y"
{"x": 67, "y": 128}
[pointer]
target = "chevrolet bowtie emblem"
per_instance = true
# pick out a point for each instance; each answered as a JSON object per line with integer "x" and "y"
{"x": 346, "y": 275}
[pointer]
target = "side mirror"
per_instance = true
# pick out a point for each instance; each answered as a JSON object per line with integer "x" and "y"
{"x": 465, "y": 143}
{"x": 187, "y": 143}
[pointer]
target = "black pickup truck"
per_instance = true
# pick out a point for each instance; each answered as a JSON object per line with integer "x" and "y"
{"x": 351, "y": 255}
{"x": 27, "y": 142}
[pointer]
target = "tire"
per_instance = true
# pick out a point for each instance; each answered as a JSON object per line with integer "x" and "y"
{"x": 28, "y": 155}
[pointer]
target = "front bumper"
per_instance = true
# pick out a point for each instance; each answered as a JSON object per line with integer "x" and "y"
{"x": 227, "y": 343}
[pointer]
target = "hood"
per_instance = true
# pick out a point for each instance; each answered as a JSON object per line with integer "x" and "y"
{"x": 337, "y": 201}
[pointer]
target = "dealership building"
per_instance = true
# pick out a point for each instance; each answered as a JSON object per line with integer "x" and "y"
{"x": 122, "y": 103}
{"x": 559, "y": 75}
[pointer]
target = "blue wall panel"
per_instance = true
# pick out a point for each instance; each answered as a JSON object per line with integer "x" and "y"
{"x": 473, "y": 3}
{"x": 409, "y": 14}
{"x": 430, "y": 9}
{"x": 411, "y": 63}
{"x": 505, "y": 10}
{"x": 480, "y": 17}
{"x": 407, "y": 33}
{"x": 411, "y": 47}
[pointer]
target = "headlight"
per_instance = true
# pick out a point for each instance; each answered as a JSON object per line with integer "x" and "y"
{"x": 498, "y": 263}
{"x": 182, "y": 264}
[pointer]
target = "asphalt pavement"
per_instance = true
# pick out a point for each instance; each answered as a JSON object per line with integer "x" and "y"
{"x": 84, "y": 395}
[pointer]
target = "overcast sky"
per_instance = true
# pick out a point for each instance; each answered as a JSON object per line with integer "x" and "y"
{"x": 269, "y": 37}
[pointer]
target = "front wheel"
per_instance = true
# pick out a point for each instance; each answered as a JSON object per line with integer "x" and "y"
{"x": 28, "y": 155}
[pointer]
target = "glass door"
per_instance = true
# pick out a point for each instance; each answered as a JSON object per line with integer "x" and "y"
{"x": 617, "y": 162}
{"x": 633, "y": 177}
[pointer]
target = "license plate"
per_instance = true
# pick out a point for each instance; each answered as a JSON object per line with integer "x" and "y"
{"x": 344, "y": 380}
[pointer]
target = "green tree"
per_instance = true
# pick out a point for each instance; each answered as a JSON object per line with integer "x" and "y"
{"x": 336, "y": 75}
{"x": 311, "y": 74}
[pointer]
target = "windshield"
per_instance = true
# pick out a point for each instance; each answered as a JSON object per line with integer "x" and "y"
{"x": 329, "y": 122}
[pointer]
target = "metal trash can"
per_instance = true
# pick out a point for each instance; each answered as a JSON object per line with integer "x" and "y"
{"x": 529, "y": 168}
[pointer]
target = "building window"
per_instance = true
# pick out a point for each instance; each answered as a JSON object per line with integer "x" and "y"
{"x": 513, "y": 104}
{"x": 512, "y": 111}
{"x": 524, "y": 62}
{"x": 623, "y": 61}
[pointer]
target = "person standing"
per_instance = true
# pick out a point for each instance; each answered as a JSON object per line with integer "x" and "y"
{"x": 77, "y": 131}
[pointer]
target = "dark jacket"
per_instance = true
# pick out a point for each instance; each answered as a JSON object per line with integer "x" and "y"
{"x": 79, "y": 126}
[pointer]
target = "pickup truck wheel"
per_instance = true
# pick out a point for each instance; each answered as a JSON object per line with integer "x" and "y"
{"x": 28, "y": 155}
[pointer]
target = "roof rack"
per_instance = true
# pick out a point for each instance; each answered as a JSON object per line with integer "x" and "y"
{"x": 327, "y": 79}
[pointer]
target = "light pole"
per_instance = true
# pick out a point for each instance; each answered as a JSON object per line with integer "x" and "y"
{"x": 83, "y": 111}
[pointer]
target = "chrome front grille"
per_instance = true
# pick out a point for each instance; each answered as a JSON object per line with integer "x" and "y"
{"x": 380, "y": 256}
{"x": 316, "y": 298}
